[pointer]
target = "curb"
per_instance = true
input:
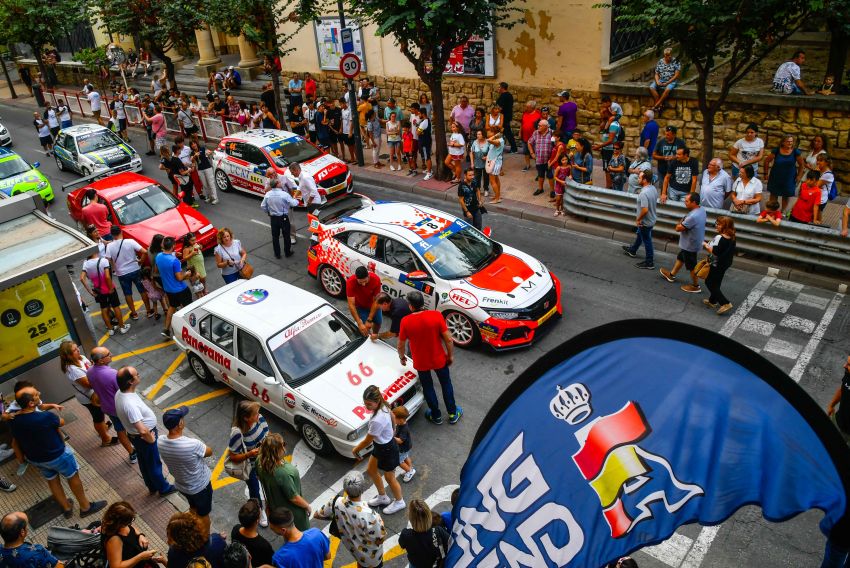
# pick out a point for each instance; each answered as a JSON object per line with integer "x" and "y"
{"x": 543, "y": 215}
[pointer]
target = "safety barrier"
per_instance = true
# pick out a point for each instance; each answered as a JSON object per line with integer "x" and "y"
{"x": 790, "y": 242}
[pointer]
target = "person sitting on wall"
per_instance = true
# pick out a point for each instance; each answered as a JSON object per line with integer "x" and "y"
{"x": 667, "y": 72}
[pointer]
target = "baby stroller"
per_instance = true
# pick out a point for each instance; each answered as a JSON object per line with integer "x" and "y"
{"x": 76, "y": 548}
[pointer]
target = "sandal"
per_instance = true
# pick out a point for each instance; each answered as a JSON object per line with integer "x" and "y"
{"x": 149, "y": 315}
{"x": 495, "y": 201}
{"x": 112, "y": 442}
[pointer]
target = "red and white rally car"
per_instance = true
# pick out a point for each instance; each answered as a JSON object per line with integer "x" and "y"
{"x": 486, "y": 290}
{"x": 242, "y": 160}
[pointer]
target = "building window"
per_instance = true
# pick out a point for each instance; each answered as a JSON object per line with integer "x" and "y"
{"x": 623, "y": 43}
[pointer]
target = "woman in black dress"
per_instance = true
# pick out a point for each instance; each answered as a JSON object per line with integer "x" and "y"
{"x": 722, "y": 250}
{"x": 124, "y": 547}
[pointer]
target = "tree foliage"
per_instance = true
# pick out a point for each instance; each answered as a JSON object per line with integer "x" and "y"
{"x": 836, "y": 14}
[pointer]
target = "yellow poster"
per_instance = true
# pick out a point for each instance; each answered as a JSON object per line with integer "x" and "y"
{"x": 31, "y": 323}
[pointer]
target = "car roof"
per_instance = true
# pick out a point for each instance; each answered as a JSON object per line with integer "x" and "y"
{"x": 78, "y": 129}
{"x": 262, "y": 137}
{"x": 6, "y": 153}
{"x": 399, "y": 218}
{"x": 118, "y": 185}
{"x": 283, "y": 305}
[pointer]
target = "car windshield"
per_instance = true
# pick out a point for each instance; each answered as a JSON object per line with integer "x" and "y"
{"x": 97, "y": 141}
{"x": 143, "y": 204}
{"x": 460, "y": 253}
{"x": 293, "y": 150}
{"x": 13, "y": 167}
{"x": 313, "y": 343}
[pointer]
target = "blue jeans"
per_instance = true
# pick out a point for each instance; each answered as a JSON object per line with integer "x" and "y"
{"x": 675, "y": 194}
{"x": 431, "y": 394}
{"x": 65, "y": 465}
{"x": 253, "y": 483}
{"x": 150, "y": 465}
{"x": 644, "y": 236}
{"x": 228, "y": 278}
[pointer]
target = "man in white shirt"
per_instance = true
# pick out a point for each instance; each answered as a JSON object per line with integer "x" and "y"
{"x": 121, "y": 114}
{"x": 787, "y": 79}
{"x": 94, "y": 101}
{"x": 125, "y": 255}
{"x": 715, "y": 185}
{"x": 140, "y": 422}
{"x": 306, "y": 185}
{"x": 346, "y": 137}
{"x": 185, "y": 457}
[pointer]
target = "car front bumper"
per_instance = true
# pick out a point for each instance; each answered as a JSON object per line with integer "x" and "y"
{"x": 345, "y": 446}
{"x": 512, "y": 334}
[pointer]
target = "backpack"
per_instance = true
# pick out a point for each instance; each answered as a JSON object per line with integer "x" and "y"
{"x": 833, "y": 189}
{"x": 621, "y": 132}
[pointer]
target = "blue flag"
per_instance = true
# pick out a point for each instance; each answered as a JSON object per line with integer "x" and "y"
{"x": 613, "y": 440}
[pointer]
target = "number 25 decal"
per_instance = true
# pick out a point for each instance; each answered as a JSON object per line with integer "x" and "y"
{"x": 264, "y": 396}
{"x": 365, "y": 370}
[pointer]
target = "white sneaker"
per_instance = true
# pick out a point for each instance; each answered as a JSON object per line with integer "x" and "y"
{"x": 6, "y": 454}
{"x": 395, "y": 507}
{"x": 213, "y": 202}
{"x": 408, "y": 475}
{"x": 264, "y": 520}
{"x": 111, "y": 332}
{"x": 380, "y": 501}
{"x": 124, "y": 329}
{"x": 429, "y": 175}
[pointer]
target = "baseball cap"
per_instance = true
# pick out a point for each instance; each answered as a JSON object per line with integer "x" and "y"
{"x": 671, "y": 129}
{"x": 171, "y": 418}
{"x": 565, "y": 93}
{"x": 544, "y": 109}
{"x": 230, "y": 67}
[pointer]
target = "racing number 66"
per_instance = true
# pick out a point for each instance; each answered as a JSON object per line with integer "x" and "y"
{"x": 365, "y": 370}
{"x": 264, "y": 396}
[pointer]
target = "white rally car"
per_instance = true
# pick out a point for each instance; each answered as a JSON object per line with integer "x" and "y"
{"x": 485, "y": 290}
{"x": 296, "y": 355}
{"x": 89, "y": 148}
{"x": 242, "y": 160}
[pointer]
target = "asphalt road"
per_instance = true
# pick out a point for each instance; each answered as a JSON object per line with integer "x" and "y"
{"x": 801, "y": 329}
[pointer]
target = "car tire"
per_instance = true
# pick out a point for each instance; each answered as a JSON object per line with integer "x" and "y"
{"x": 200, "y": 369}
{"x": 463, "y": 330}
{"x": 331, "y": 281}
{"x": 222, "y": 181}
{"x": 85, "y": 172}
{"x": 59, "y": 163}
{"x": 315, "y": 438}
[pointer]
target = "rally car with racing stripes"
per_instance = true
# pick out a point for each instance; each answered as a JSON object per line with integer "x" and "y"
{"x": 488, "y": 292}
{"x": 242, "y": 160}
{"x": 89, "y": 149}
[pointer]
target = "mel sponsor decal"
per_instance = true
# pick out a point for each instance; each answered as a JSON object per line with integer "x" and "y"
{"x": 463, "y": 298}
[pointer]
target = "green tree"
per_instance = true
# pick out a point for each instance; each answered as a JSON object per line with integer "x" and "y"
{"x": 94, "y": 59}
{"x": 38, "y": 24}
{"x": 426, "y": 32}
{"x": 161, "y": 25}
{"x": 723, "y": 39}
{"x": 837, "y": 16}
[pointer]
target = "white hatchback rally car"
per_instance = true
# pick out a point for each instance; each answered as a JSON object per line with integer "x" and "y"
{"x": 296, "y": 355}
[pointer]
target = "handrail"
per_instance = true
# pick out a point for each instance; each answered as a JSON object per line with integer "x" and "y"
{"x": 793, "y": 242}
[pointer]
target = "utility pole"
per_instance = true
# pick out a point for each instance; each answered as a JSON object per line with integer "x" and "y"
{"x": 352, "y": 101}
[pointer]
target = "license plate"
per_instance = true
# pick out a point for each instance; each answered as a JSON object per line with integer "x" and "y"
{"x": 547, "y": 315}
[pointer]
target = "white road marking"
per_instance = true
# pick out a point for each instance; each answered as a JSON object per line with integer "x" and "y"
{"x": 807, "y": 326}
{"x": 810, "y": 348}
{"x": 672, "y": 551}
{"x": 758, "y": 326}
{"x": 752, "y": 299}
{"x": 264, "y": 224}
{"x": 775, "y": 304}
{"x": 812, "y": 301}
{"x": 783, "y": 348}
{"x": 701, "y": 546}
{"x": 788, "y": 286}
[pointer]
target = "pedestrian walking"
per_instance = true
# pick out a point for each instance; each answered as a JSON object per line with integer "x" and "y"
{"x": 281, "y": 481}
{"x": 691, "y": 231}
{"x": 16, "y": 551}
{"x": 248, "y": 432}
{"x": 44, "y": 136}
{"x": 41, "y": 442}
{"x": 230, "y": 255}
{"x": 385, "y": 452}
{"x": 646, "y": 217}
{"x": 721, "y": 250}
{"x": 361, "y": 528}
{"x": 185, "y": 457}
{"x": 277, "y": 204}
{"x": 361, "y": 290}
{"x": 426, "y": 545}
{"x": 431, "y": 347}
{"x": 470, "y": 199}
{"x": 187, "y": 541}
{"x": 140, "y": 422}
{"x": 839, "y": 416}
{"x": 97, "y": 271}
{"x": 404, "y": 441}
{"x": 74, "y": 366}
{"x": 247, "y": 534}
{"x": 171, "y": 273}
{"x": 307, "y": 549}
{"x": 103, "y": 379}
{"x": 123, "y": 546}
{"x": 126, "y": 256}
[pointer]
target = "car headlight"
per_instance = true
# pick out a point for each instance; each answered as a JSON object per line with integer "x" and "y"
{"x": 98, "y": 166}
{"x": 42, "y": 185}
{"x": 501, "y": 314}
{"x": 358, "y": 433}
{"x": 3, "y": 130}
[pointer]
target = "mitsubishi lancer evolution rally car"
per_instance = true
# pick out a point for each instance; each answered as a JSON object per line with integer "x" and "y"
{"x": 89, "y": 148}
{"x": 486, "y": 291}
{"x": 296, "y": 355}
{"x": 242, "y": 160}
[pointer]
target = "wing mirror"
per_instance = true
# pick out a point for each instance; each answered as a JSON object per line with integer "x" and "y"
{"x": 270, "y": 381}
{"x": 36, "y": 164}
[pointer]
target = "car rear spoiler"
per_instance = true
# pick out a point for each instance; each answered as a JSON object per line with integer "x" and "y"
{"x": 95, "y": 176}
{"x": 332, "y": 211}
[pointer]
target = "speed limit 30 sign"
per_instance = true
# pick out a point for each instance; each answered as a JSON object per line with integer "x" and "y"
{"x": 349, "y": 65}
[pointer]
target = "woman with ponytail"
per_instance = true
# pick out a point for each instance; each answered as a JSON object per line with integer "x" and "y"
{"x": 425, "y": 544}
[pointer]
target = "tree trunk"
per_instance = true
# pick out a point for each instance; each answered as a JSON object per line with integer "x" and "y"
{"x": 159, "y": 51}
{"x": 838, "y": 46}
{"x": 707, "y": 135}
{"x": 438, "y": 126}
{"x": 42, "y": 68}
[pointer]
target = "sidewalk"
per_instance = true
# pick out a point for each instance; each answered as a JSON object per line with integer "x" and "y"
{"x": 106, "y": 474}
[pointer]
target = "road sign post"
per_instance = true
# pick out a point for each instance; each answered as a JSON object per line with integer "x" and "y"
{"x": 349, "y": 66}
{"x": 347, "y": 40}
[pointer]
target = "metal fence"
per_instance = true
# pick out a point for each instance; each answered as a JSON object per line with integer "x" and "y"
{"x": 791, "y": 242}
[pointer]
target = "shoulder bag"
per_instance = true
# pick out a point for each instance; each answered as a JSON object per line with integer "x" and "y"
{"x": 333, "y": 528}
{"x": 246, "y": 271}
{"x": 703, "y": 267}
{"x": 241, "y": 470}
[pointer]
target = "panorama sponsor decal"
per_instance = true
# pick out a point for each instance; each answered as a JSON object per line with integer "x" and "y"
{"x": 289, "y": 400}
{"x": 252, "y": 296}
{"x": 388, "y": 393}
{"x": 204, "y": 349}
{"x": 329, "y": 421}
{"x": 463, "y": 298}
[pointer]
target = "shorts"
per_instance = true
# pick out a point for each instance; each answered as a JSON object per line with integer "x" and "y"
{"x": 201, "y": 502}
{"x": 822, "y": 206}
{"x": 54, "y": 131}
{"x": 45, "y": 140}
{"x": 387, "y": 455}
{"x": 179, "y": 299}
{"x": 687, "y": 257}
{"x": 393, "y": 143}
{"x": 158, "y": 143}
{"x": 456, "y": 158}
{"x": 544, "y": 171}
{"x": 606, "y": 157}
{"x": 403, "y": 455}
{"x": 97, "y": 415}
{"x": 122, "y": 124}
{"x": 189, "y": 130}
{"x": 151, "y": 135}
{"x": 497, "y": 169}
{"x": 425, "y": 150}
{"x": 109, "y": 300}
{"x": 127, "y": 281}
{"x": 95, "y": 113}
{"x": 117, "y": 424}
{"x": 364, "y": 314}
{"x": 669, "y": 87}
{"x": 65, "y": 465}
{"x": 345, "y": 139}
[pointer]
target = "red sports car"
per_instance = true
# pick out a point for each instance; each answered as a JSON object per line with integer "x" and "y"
{"x": 142, "y": 208}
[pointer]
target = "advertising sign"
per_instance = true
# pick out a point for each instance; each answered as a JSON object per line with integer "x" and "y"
{"x": 475, "y": 57}
{"x": 329, "y": 42}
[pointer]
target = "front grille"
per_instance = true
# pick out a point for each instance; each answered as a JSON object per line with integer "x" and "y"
{"x": 334, "y": 181}
{"x": 541, "y": 307}
{"x": 120, "y": 161}
{"x": 512, "y": 333}
{"x": 406, "y": 396}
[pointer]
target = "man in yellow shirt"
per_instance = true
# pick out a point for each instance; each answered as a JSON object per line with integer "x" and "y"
{"x": 362, "y": 108}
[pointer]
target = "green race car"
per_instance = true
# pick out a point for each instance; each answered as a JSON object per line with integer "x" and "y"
{"x": 18, "y": 176}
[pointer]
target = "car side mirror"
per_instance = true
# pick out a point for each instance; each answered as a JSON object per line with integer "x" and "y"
{"x": 270, "y": 381}
{"x": 487, "y": 231}
{"x": 36, "y": 164}
{"x": 418, "y": 275}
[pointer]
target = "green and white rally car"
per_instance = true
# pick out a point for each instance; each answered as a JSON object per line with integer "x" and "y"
{"x": 89, "y": 148}
{"x": 17, "y": 176}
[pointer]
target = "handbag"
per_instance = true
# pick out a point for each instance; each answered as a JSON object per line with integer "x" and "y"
{"x": 489, "y": 165}
{"x": 241, "y": 470}
{"x": 247, "y": 271}
{"x": 333, "y": 528}
{"x": 702, "y": 268}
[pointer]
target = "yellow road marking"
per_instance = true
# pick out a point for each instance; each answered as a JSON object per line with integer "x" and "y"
{"x": 388, "y": 555}
{"x": 199, "y": 399}
{"x": 161, "y": 382}
{"x": 220, "y": 479}
{"x": 103, "y": 339}
{"x": 143, "y": 350}
{"x": 334, "y": 546}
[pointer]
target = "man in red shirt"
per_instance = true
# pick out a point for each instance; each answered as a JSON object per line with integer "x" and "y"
{"x": 96, "y": 213}
{"x": 361, "y": 290}
{"x": 427, "y": 332}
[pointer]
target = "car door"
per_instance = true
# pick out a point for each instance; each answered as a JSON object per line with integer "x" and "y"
{"x": 258, "y": 165}
{"x": 236, "y": 165}
{"x": 219, "y": 335}
{"x": 253, "y": 369}
{"x": 397, "y": 261}
{"x": 363, "y": 248}
{"x": 65, "y": 150}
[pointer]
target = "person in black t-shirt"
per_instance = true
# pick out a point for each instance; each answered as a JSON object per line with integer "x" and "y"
{"x": 505, "y": 101}
{"x": 469, "y": 198}
{"x": 681, "y": 177}
{"x": 393, "y": 309}
{"x": 839, "y": 416}
{"x": 665, "y": 150}
{"x": 425, "y": 544}
{"x": 335, "y": 125}
{"x": 246, "y": 533}
{"x": 177, "y": 173}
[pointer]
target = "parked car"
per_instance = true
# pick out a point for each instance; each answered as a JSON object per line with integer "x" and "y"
{"x": 88, "y": 149}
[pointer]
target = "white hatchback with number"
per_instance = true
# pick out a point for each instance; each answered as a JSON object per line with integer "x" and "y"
{"x": 296, "y": 355}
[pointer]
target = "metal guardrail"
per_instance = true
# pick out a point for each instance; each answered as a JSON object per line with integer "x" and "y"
{"x": 792, "y": 242}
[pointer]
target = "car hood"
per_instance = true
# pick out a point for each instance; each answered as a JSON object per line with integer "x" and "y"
{"x": 513, "y": 280}
{"x": 335, "y": 392}
{"x": 322, "y": 168}
{"x": 175, "y": 223}
{"x": 109, "y": 155}
{"x": 27, "y": 180}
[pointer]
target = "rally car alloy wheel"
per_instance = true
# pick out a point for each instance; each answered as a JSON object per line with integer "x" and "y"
{"x": 222, "y": 182}
{"x": 315, "y": 438}
{"x": 331, "y": 281}
{"x": 463, "y": 330}
{"x": 200, "y": 369}
{"x": 59, "y": 163}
